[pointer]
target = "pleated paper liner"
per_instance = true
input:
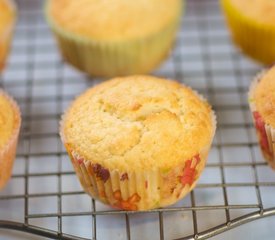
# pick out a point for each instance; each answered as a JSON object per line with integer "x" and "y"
{"x": 255, "y": 39}
{"x": 137, "y": 189}
{"x": 6, "y": 37}
{"x": 7, "y": 153}
{"x": 265, "y": 133}
{"x": 112, "y": 59}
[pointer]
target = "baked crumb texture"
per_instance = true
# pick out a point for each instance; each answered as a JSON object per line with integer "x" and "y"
{"x": 262, "y": 106}
{"x": 10, "y": 122}
{"x": 138, "y": 142}
{"x": 115, "y": 20}
{"x": 7, "y": 19}
{"x": 117, "y": 37}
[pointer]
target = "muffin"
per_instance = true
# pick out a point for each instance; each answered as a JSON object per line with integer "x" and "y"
{"x": 10, "y": 121}
{"x": 252, "y": 25}
{"x": 114, "y": 38}
{"x": 262, "y": 106}
{"x": 7, "y": 20}
{"x": 138, "y": 142}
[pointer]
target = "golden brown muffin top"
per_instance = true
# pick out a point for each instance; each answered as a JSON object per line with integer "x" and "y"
{"x": 114, "y": 19}
{"x": 263, "y": 11}
{"x": 7, "y": 15}
{"x": 264, "y": 97}
{"x": 8, "y": 119}
{"x": 138, "y": 122}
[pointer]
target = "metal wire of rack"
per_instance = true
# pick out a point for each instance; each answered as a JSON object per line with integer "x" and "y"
{"x": 43, "y": 193}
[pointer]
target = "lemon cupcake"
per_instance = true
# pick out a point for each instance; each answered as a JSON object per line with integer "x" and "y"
{"x": 7, "y": 20}
{"x": 10, "y": 121}
{"x": 114, "y": 38}
{"x": 252, "y": 24}
{"x": 138, "y": 142}
{"x": 262, "y": 105}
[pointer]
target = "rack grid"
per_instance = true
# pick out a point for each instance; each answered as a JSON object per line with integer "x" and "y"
{"x": 44, "y": 195}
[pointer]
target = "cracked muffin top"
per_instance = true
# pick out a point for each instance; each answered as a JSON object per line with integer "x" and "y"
{"x": 139, "y": 122}
{"x": 114, "y": 19}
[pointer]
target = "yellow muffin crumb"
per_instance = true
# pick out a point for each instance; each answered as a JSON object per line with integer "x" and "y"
{"x": 7, "y": 120}
{"x": 138, "y": 122}
{"x": 7, "y": 15}
{"x": 262, "y": 11}
{"x": 7, "y": 18}
{"x": 265, "y": 97}
{"x": 115, "y": 19}
{"x": 10, "y": 121}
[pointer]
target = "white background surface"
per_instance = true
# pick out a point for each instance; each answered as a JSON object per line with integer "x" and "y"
{"x": 262, "y": 229}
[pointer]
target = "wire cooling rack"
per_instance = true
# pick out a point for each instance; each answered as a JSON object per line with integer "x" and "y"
{"x": 44, "y": 197}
